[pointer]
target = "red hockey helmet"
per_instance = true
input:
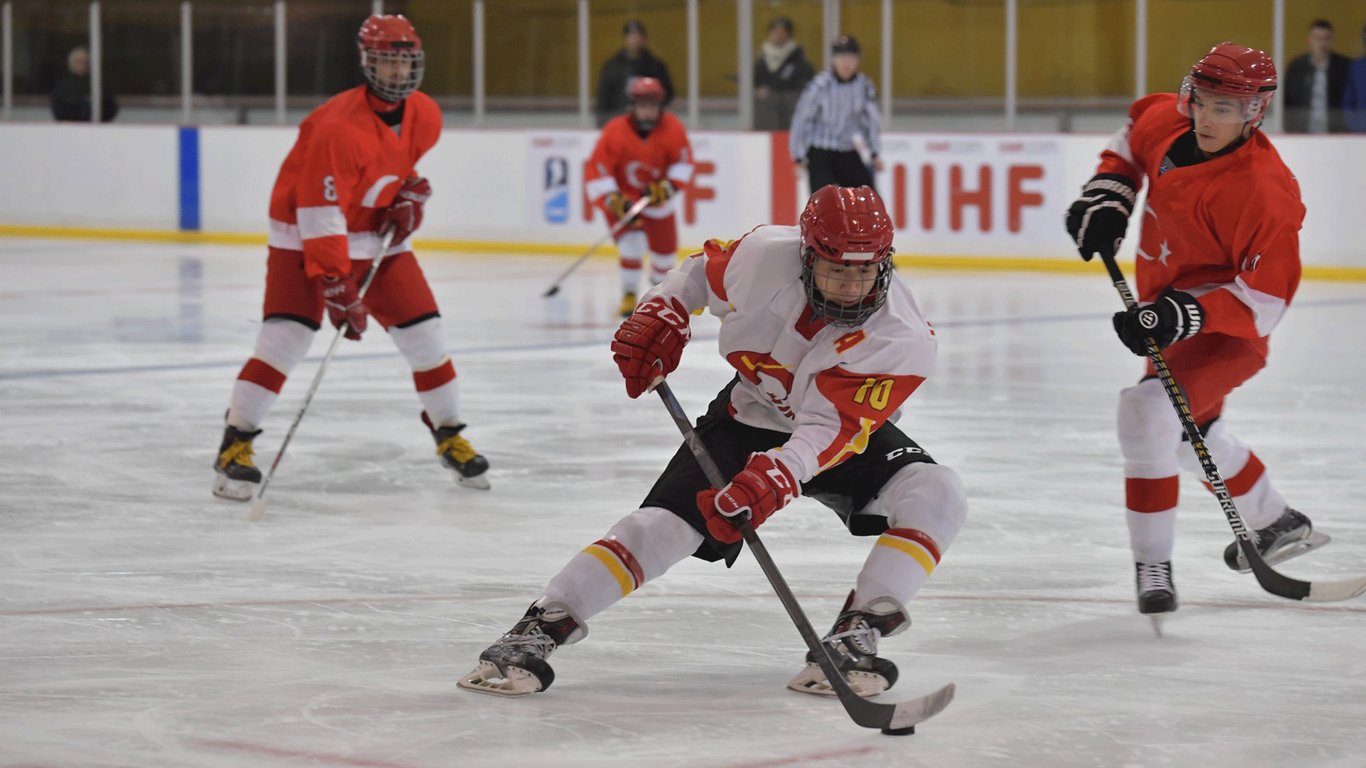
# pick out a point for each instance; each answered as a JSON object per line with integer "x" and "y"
{"x": 390, "y": 56}
{"x": 847, "y": 226}
{"x": 645, "y": 89}
{"x": 1229, "y": 69}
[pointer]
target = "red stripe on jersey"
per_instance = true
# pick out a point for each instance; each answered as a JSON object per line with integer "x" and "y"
{"x": 718, "y": 258}
{"x": 1144, "y": 494}
{"x": 849, "y": 340}
{"x": 1242, "y": 482}
{"x": 627, "y": 559}
{"x": 435, "y": 377}
{"x": 809, "y": 324}
{"x": 919, "y": 537}
{"x": 259, "y": 372}
{"x": 864, "y": 402}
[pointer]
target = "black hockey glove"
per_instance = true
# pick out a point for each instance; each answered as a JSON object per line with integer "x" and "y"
{"x": 1097, "y": 220}
{"x": 1176, "y": 315}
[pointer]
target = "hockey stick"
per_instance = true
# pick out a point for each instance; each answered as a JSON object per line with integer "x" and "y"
{"x": 1271, "y": 580}
{"x": 259, "y": 507}
{"x": 889, "y": 717}
{"x": 630, "y": 216}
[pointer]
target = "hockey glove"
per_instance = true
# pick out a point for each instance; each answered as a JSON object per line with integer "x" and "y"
{"x": 344, "y": 306}
{"x": 1097, "y": 220}
{"x": 1176, "y": 315}
{"x": 405, "y": 215}
{"x": 660, "y": 191}
{"x": 649, "y": 343}
{"x": 763, "y": 487}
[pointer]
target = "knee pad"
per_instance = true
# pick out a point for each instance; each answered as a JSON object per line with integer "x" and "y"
{"x": 1229, "y": 453}
{"x": 423, "y": 345}
{"x": 282, "y": 343}
{"x": 657, "y": 538}
{"x": 631, "y": 245}
{"x": 1149, "y": 431}
{"x": 926, "y": 497}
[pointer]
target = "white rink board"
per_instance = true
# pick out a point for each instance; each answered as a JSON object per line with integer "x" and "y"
{"x": 490, "y": 186}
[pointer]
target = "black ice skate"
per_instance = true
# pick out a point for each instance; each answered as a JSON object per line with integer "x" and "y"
{"x": 236, "y": 477}
{"x": 459, "y": 456}
{"x": 516, "y": 664}
{"x": 853, "y": 646}
{"x": 1156, "y": 592}
{"x": 1290, "y": 536}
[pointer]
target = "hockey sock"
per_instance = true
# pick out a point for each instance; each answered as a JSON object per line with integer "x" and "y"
{"x": 423, "y": 345}
{"x": 280, "y": 346}
{"x": 899, "y": 565}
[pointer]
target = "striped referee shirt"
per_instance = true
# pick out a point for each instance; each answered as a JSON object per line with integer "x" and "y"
{"x": 830, "y": 114}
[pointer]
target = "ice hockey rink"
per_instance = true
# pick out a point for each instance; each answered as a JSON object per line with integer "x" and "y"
{"x": 145, "y": 623}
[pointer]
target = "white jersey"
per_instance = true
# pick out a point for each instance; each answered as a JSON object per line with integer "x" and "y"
{"x": 829, "y": 386}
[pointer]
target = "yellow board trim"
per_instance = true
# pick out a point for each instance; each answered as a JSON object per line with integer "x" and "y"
{"x": 610, "y": 560}
{"x": 959, "y": 262}
{"x": 916, "y": 552}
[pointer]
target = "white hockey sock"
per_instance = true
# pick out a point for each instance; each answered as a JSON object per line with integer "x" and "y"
{"x": 1152, "y": 535}
{"x": 280, "y": 346}
{"x": 899, "y": 565}
{"x": 660, "y": 264}
{"x": 250, "y": 404}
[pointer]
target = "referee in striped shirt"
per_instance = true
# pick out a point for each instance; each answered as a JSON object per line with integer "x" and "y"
{"x": 835, "y": 115}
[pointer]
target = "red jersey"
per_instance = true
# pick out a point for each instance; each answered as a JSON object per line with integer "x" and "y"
{"x": 344, "y": 169}
{"x": 1225, "y": 230}
{"x": 624, "y": 162}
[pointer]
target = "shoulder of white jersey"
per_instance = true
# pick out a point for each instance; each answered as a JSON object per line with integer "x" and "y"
{"x": 765, "y": 261}
{"x": 895, "y": 340}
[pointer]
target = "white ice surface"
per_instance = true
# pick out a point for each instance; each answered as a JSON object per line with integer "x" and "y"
{"x": 145, "y": 623}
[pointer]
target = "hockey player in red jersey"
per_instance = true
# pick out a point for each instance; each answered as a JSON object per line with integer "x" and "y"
{"x": 827, "y": 344}
{"x": 1218, "y": 263}
{"x": 643, "y": 153}
{"x": 349, "y": 178}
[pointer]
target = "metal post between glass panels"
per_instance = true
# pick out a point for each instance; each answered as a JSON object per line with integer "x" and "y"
{"x": 6, "y": 59}
{"x": 478, "y": 48}
{"x": 830, "y": 26}
{"x": 887, "y": 62}
{"x": 377, "y": 7}
{"x": 744, "y": 55}
{"x": 692, "y": 66}
{"x": 96, "y": 65}
{"x": 186, "y": 60}
{"x": 1012, "y": 43}
{"x": 1140, "y": 49}
{"x": 1278, "y": 56}
{"x": 280, "y": 52}
{"x": 585, "y": 116}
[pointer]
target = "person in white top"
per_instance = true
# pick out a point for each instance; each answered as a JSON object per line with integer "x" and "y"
{"x": 827, "y": 344}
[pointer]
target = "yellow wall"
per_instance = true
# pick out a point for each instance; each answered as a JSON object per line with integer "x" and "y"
{"x": 943, "y": 48}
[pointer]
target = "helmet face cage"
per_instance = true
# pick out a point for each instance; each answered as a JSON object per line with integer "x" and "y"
{"x": 1250, "y": 109}
{"x": 386, "y": 76}
{"x": 837, "y": 313}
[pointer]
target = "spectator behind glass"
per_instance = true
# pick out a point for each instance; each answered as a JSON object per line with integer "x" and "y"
{"x": 71, "y": 96}
{"x": 1354, "y": 94}
{"x": 632, "y": 61}
{"x": 1313, "y": 85}
{"x": 780, "y": 74}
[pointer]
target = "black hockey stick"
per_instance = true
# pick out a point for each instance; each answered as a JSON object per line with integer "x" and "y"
{"x": 869, "y": 714}
{"x": 258, "y": 508}
{"x": 1271, "y": 580}
{"x": 631, "y": 214}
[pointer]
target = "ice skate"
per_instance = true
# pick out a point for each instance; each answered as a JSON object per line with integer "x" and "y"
{"x": 853, "y": 646}
{"x": 1290, "y": 536}
{"x": 236, "y": 476}
{"x": 459, "y": 456}
{"x": 516, "y": 664}
{"x": 628, "y": 304}
{"x": 1156, "y": 592}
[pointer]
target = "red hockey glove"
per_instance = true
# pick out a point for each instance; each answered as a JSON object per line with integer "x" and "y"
{"x": 649, "y": 343}
{"x": 343, "y": 304}
{"x": 405, "y": 214}
{"x": 763, "y": 487}
{"x": 660, "y": 191}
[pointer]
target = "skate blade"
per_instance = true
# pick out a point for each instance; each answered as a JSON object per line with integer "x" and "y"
{"x": 511, "y": 681}
{"x": 478, "y": 482}
{"x": 812, "y": 680}
{"x": 233, "y": 490}
{"x": 1308, "y": 544}
{"x": 1158, "y": 620}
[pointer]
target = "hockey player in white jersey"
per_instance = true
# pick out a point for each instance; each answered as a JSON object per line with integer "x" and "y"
{"x": 827, "y": 344}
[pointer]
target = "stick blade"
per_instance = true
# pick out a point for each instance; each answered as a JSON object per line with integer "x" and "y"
{"x": 1332, "y": 591}
{"x": 554, "y": 289}
{"x": 258, "y": 510}
{"x": 908, "y": 713}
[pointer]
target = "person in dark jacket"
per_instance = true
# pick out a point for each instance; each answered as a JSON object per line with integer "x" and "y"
{"x": 632, "y": 61}
{"x": 71, "y": 96}
{"x": 1314, "y": 83}
{"x": 780, "y": 74}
